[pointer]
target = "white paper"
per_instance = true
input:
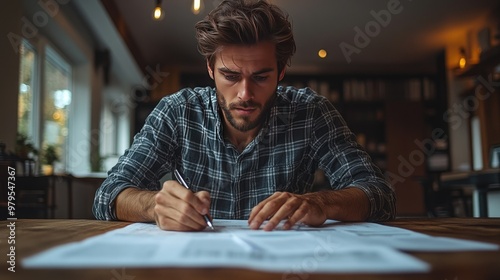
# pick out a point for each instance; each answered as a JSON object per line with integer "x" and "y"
{"x": 407, "y": 240}
{"x": 335, "y": 247}
{"x": 435, "y": 244}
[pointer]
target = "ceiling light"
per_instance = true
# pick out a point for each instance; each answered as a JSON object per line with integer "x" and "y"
{"x": 462, "y": 61}
{"x": 158, "y": 12}
{"x": 322, "y": 53}
{"x": 197, "y": 6}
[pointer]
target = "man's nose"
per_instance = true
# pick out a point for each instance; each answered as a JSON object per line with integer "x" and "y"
{"x": 244, "y": 90}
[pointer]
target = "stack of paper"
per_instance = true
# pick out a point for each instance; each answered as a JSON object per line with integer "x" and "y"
{"x": 335, "y": 247}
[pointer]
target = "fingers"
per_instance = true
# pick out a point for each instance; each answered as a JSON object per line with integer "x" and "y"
{"x": 177, "y": 208}
{"x": 279, "y": 206}
{"x": 259, "y": 207}
{"x": 204, "y": 198}
{"x": 297, "y": 216}
{"x": 293, "y": 208}
{"x": 285, "y": 211}
{"x": 179, "y": 192}
{"x": 170, "y": 219}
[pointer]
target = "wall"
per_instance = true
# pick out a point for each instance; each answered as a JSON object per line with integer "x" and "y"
{"x": 120, "y": 101}
{"x": 9, "y": 71}
{"x": 458, "y": 130}
{"x": 79, "y": 143}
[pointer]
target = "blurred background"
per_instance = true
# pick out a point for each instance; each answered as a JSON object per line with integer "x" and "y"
{"x": 416, "y": 81}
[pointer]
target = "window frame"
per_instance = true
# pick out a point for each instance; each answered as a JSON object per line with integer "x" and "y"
{"x": 45, "y": 52}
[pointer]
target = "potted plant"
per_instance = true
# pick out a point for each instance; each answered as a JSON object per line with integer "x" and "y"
{"x": 24, "y": 147}
{"x": 49, "y": 157}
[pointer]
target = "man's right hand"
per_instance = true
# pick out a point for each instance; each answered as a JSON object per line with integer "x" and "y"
{"x": 179, "y": 209}
{"x": 172, "y": 208}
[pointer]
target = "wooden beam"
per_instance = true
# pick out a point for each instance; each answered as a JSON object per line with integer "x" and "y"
{"x": 121, "y": 26}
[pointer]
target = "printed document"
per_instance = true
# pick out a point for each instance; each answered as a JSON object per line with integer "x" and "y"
{"x": 333, "y": 248}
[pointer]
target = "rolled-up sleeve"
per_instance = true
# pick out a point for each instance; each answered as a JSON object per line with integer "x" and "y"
{"x": 346, "y": 164}
{"x": 143, "y": 164}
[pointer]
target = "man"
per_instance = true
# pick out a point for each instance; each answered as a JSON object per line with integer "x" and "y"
{"x": 248, "y": 149}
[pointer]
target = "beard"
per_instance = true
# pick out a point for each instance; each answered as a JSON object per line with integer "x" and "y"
{"x": 246, "y": 123}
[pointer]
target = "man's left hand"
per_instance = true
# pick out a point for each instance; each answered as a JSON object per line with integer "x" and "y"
{"x": 306, "y": 208}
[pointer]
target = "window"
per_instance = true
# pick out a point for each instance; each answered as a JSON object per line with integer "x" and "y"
{"x": 57, "y": 98}
{"x": 477, "y": 156}
{"x": 45, "y": 98}
{"x": 25, "y": 112}
{"x": 495, "y": 156}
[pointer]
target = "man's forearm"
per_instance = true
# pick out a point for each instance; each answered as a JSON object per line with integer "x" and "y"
{"x": 135, "y": 205}
{"x": 350, "y": 204}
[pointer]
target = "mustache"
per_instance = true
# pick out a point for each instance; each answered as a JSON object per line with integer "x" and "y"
{"x": 244, "y": 104}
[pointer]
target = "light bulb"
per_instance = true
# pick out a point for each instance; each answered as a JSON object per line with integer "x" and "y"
{"x": 197, "y": 6}
{"x": 462, "y": 62}
{"x": 322, "y": 53}
{"x": 158, "y": 12}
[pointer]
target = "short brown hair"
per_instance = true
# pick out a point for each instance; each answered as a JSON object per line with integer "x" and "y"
{"x": 243, "y": 22}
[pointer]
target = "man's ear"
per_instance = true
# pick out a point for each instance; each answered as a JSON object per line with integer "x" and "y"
{"x": 282, "y": 74}
{"x": 210, "y": 71}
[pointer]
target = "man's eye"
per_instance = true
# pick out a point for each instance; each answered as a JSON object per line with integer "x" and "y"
{"x": 260, "y": 78}
{"x": 231, "y": 77}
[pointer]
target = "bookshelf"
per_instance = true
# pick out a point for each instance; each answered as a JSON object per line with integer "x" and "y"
{"x": 363, "y": 100}
{"x": 396, "y": 119}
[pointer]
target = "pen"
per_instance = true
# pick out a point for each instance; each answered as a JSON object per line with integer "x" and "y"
{"x": 183, "y": 183}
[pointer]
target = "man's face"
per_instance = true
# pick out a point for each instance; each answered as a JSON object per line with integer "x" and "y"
{"x": 246, "y": 78}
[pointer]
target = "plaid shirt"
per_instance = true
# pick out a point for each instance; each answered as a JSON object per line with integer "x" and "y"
{"x": 302, "y": 133}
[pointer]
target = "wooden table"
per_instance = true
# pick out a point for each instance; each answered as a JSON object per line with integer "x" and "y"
{"x": 33, "y": 236}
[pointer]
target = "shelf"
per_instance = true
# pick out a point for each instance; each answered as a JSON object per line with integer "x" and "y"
{"x": 373, "y": 104}
{"x": 377, "y": 155}
{"x": 489, "y": 59}
{"x": 366, "y": 125}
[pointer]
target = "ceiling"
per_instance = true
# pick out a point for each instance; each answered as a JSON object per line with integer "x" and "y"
{"x": 411, "y": 39}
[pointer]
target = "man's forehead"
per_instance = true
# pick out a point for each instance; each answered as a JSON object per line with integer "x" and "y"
{"x": 257, "y": 57}
{"x": 264, "y": 70}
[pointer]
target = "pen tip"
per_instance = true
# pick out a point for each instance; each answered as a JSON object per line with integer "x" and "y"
{"x": 210, "y": 225}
